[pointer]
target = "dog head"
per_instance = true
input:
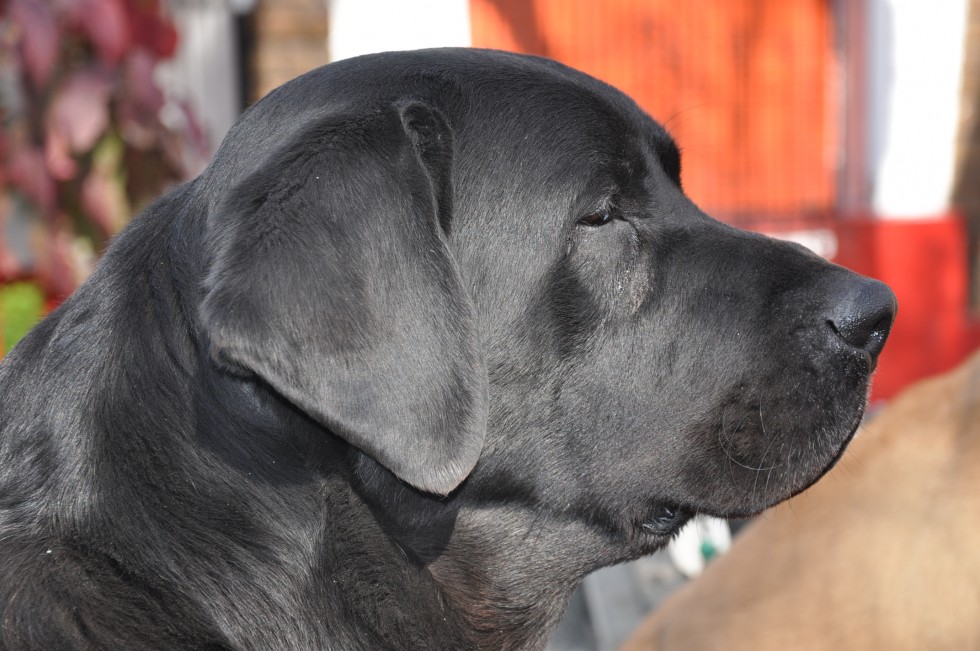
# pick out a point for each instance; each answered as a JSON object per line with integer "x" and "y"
{"x": 480, "y": 268}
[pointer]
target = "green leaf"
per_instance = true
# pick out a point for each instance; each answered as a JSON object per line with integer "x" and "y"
{"x": 21, "y": 307}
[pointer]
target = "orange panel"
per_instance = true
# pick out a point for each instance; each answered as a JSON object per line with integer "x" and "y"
{"x": 742, "y": 85}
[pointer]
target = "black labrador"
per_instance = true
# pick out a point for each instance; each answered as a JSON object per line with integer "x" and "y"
{"x": 436, "y": 334}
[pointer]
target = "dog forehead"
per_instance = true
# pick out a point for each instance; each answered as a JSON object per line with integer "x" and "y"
{"x": 516, "y": 98}
{"x": 535, "y": 118}
{"x": 558, "y": 111}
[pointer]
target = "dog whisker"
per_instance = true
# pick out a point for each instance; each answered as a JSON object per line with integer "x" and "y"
{"x": 736, "y": 461}
{"x": 772, "y": 441}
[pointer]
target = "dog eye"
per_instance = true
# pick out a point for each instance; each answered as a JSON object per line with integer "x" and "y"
{"x": 598, "y": 218}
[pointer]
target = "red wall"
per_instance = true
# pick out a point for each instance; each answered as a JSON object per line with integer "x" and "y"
{"x": 925, "y": 263}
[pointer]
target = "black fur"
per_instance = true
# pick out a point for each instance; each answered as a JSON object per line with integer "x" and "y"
{"x": 434, "y": 336}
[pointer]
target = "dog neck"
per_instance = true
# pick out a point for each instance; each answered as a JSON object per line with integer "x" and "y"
{"x": 511, "y": 582}
{"x": 508, "y": 568}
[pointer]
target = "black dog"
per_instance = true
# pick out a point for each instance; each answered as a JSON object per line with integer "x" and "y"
{"x": 435, "y": 335}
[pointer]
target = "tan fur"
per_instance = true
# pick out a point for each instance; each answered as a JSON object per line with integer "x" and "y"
{"x": 883, "y": 553}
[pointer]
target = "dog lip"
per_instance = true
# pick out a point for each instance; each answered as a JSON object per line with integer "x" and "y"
{"x": 667, "y": 520}
{"x": 749, "y": 512}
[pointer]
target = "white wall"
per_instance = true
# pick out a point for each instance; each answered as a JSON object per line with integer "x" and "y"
{"x": 915, "y": 70}
{"x": 365, "y": 26}
{"x": 204, "y": 70}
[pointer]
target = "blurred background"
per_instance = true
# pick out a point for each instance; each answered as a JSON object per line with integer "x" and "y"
{"x": 852, "y": 127}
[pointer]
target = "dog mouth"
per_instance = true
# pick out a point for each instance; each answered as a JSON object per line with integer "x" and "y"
{"x": 666, "y": 520}
{"x": 743, "y": 486}
{"x": 764, "y": 492}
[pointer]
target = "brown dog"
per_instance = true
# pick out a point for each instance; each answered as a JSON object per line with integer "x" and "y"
{"x": 883, "y": 554}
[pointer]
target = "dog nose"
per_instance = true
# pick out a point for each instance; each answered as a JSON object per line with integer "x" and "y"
{"x": 863, "y": 315}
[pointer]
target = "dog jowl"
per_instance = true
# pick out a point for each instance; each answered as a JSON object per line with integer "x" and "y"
{"x": 435, "y": 334}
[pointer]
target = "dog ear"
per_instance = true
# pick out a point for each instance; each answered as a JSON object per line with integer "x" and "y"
{"x": 331, "y": 280}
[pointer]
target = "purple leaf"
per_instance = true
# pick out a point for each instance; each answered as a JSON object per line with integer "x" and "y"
{"x": 28, "y": 172}
{"x": 138, "y": 110}
{"x": 140, "y": 83}
{"x": 39, "y": 38}
{"x": 102, "y": 201}
{"x": 57, "y": 156}
{"x": 106, "y": 24}
{"x": 60, "y": 265}
{"x": 78, "y": 115}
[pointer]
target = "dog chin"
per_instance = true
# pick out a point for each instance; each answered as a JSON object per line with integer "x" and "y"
{"x": 762, "y": 494}
{"x": 838, "y": 453}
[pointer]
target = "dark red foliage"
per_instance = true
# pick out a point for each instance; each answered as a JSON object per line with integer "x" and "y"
{"x": 84, "y": 145}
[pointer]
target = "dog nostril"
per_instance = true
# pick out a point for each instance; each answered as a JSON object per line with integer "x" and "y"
{"x": 864, "y": 315}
